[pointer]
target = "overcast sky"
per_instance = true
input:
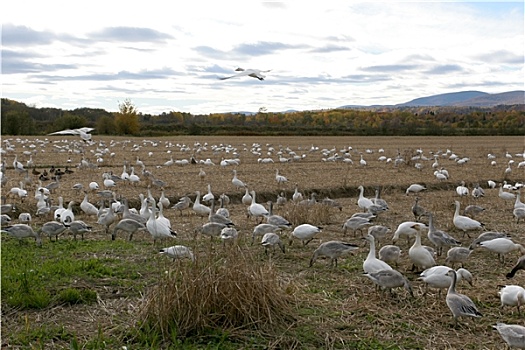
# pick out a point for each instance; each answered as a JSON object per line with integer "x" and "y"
{"x": 322, "y": 54}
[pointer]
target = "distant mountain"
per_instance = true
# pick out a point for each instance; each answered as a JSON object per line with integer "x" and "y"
{"x": 468, "y": 98}
{"x": 504, "y": 98}
{"x": 458, "y": 99}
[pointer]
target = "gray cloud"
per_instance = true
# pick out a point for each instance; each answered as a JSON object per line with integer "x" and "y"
{"x": 14, "y": 62}
{"x": 330, "y": 48}
{"x": 122, "y": 75}
{"x": 391, "y": 68}
{"x": 129, "y": 34}
{"x": 444, "y": 69}
{"x": 14, "y": 35}
{"x": 246, "y": 50}
{"x": 501, "y": 56}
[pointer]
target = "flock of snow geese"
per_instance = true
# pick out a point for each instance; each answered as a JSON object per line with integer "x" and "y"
{"x": 117, "y": 216}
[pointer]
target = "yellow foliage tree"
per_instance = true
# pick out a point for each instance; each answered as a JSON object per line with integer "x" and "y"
{"x": 127, "y": 119}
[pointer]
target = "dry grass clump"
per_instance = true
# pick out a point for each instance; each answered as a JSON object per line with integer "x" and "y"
{"x": 225, "y": 290}
{"x": 313, "y": 214}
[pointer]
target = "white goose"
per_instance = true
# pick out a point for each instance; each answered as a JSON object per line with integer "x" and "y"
{"x": 363, "y": 202}
{"x": 67, "y": 216}
{"x": 158, "y": 228}
{"x": 371, "y": 263}
{"x": 257, "y": 210}
{"x": 415, "y": 188}
{"x": 464, "y": 223}
{"x": 236, "y": 182}
{"x": 507, "y": 196}
{"x": 87, "y": 207}
{"x": 280, "y": 178}
{"x": 407, "y": 229}
{"x": 420, "y": 256}
{"x": 178, "y": 252}
{"x": 247, "y": 198}
{"x": 436, "y": 277}
{"x": 512, "y": 295}
{"x": 502, "y": 246}
{"x": 297, "y": 196}
{"x": 305, "y": 232}
{"x": 208, "y": 197}
{"x": 198, "y": 208}
{"x": 462, "y": 190}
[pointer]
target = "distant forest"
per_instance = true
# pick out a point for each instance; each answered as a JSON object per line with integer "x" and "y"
{"x": 20, "y": 119}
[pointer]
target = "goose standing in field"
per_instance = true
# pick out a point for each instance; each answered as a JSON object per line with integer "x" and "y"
{"x": 371, "y": 263}
{"x": 229, "y": 235}
{"x": 506, "y": 196}
{"x": 272, "y": 239}
{"x": 520, "y": 265}
{"x": 355, "y": 224}
{"x": 462, "y": 190}
{"x": 107, "y": 219}
{"x": 178, "y": 252}
{"x": 418, "y": 210}
{"x": 457, "y": 255}
{"x": 378, "y": 231}
{"x": 257, "y": 210}
{"x": 519, "y": 213}
{"x": 275, "y": 219}
{"x": 208, "y": 196}
{"x": 420, "y": 256}
{"x": 487, "y": 236}
{"x": 512, "y": 296}
{"x": 305, "y": 233}
{"x": 128, "y": 225}
{"x": 211, "y": 229}
{"x": 88, "y": 208}
{"x": 439, "y": 238}
{"x": 59, "y": 209}
{"x": 377, "y": 200}
{"x": 163, "y": 200}
{"x": 262, "y": 229}
{"x": 389, "y": 279}
{"x": 281, "y": 199}
{"x": 491, "y": 184}
{"x": 464, "y": 223}
{"x": 407, "y": 229}
{"x": 24, "y": 218}
{"x": 198, "y": 208}
{"x": 236, "y": 182}
{"x": 53, "y": 228}
{"x": 473, "y": 210}
{"x": 390, "y": 254}
{"x": 333, "y": 250}
{"x": 215, "y": 217}
{"x": 297, "y": 196}
{"x": 436, "y": 277}
{"x": 518, "y": 203}
{"x": 78, "y": 227}
{"x": 222, "y": 210}
{"x": 363, "y": 202}
{"x": 502, "y": 246}
{"x": 279, "y": 178}
{"x": 21, "y": 231}
{"x": 459, "y": 304}
{"x": 158, "y": 228}
{"x": 183, "y": 204}
{"x": 247, "y": 198}
{"x": 67, "y": 215}
{"x": 477, "y": 192}
{"x": 127, "y": 214}
{"x": 512, "y": 334}
{"x": 415, "y": 188}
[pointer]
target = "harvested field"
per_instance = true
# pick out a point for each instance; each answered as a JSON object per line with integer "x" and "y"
{"x": 330, "y": 307}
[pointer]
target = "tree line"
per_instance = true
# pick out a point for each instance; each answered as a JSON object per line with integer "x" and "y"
{"x": 20, "y": 119}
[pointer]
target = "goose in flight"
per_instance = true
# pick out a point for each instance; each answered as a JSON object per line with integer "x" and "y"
{"x": 84, "y": 133}
{"x": 254, "y": 73}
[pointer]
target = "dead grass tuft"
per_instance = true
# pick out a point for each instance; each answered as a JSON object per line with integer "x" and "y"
{"x": 225, "y": 290}
{"x": 315, "y": 214}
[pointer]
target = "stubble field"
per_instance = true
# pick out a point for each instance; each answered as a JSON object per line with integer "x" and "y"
{"x": 332, "y": 307}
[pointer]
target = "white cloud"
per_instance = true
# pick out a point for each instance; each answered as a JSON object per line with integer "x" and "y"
{"x": 321, "y": 55}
